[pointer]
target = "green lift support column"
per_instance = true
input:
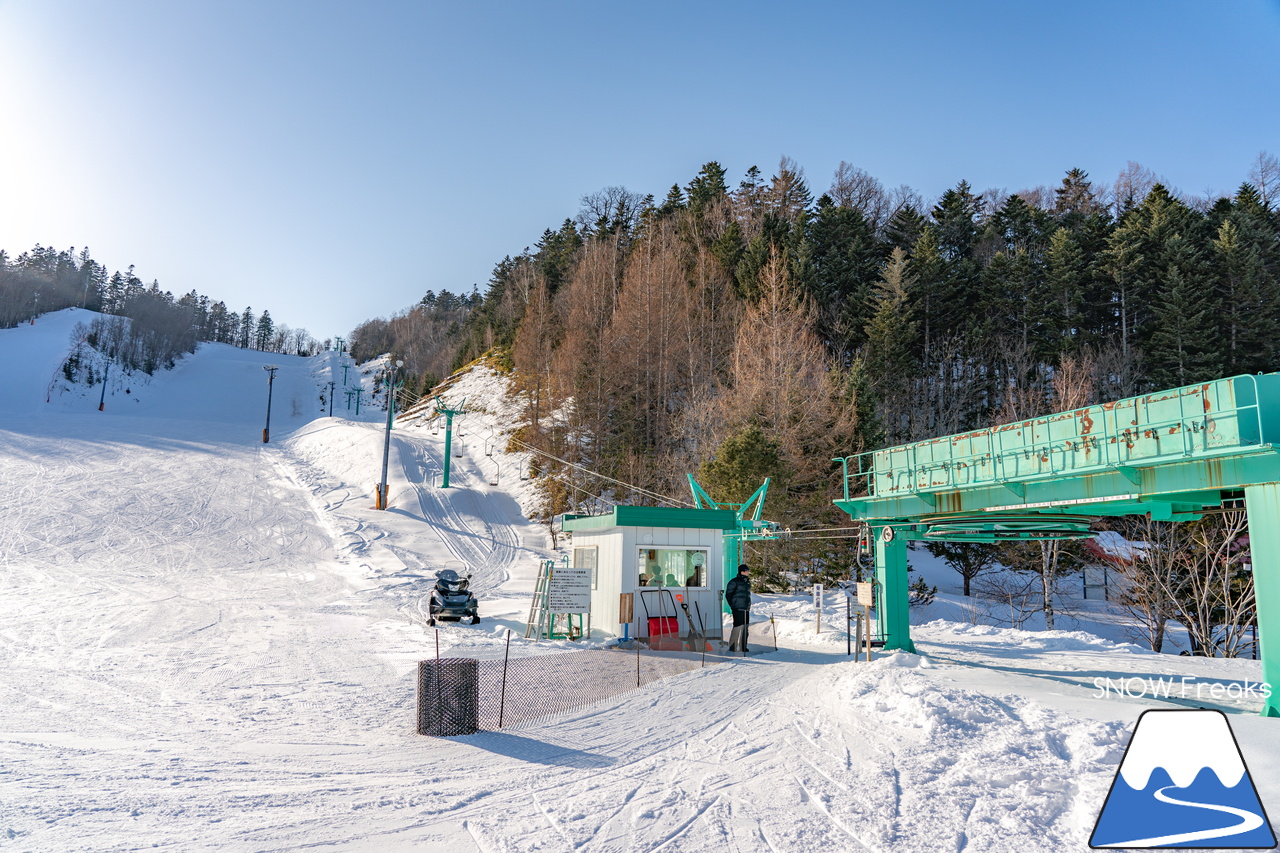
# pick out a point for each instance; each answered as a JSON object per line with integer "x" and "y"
{"x": 448, "y": 436}
{"x": 893, "y": 600}
{"x": 1263, "y": 502}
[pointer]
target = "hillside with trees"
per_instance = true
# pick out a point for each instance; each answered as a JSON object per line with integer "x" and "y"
{"x": 160, "y": 327}
{"x": 746, "y": 331}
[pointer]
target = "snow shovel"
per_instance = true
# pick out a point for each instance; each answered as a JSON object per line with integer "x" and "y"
{"x": 664, "y": 631}
{"x": 697, "y": 642}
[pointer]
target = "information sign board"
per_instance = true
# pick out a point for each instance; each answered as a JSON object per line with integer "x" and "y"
{"x": 569, "y": 590}
{"x": 865, "y": 594}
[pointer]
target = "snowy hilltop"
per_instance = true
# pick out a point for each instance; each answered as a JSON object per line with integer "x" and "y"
{"x": 210, "y": 643}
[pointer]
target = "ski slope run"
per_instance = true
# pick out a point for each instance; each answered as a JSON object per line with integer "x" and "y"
{"x": 210, "y": 644}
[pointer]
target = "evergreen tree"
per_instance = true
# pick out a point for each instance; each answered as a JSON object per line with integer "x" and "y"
{"x": 890, "y": 329}
{"x": 1076, "y": 198}
{"x": 956, "y": 220}
{"x": 247, "y": 326}
{"x": 1183, "y": 346}
{"x": 1065, "y": 283}
{"x": 264, "y": 332}
{"x": 905, "y": 227}
{"x": 1137, "y": 259}
{"x": 673, "y": 203}
{"x": 845, "y": 260}
{"x": 788, "y": 196}
{"x": 741, "y": 464}
{"x": 706, "y": 188}
{"x": 1249, "y": 317}
{"x": 890, "y": 335}
{"x": 556, "y": 253}
{"x": 929, "y": 271}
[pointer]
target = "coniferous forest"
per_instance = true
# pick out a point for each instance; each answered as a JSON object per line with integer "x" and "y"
{"x": 751, "y": 331}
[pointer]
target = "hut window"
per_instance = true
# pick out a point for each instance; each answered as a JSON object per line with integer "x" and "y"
{"x": 675, "y": 567}
{"x": 587, "y": 558}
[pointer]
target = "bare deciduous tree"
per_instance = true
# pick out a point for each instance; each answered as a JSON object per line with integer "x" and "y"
{"x": 857, "y": 189}
{"x": 782, "y": 380}
{"x": 1198, "y": 573}
{"x": 1264, "y": 174}
{"x": 1013, "y": 592}
{"x": 1151, "y": 552}
{"x": 535, "y": 341}
{"x": 611, "y": 208}
{"x": 1132, "y": 185}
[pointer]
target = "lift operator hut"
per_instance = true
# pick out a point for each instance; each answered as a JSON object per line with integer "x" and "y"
{"x": 642, "y": 549}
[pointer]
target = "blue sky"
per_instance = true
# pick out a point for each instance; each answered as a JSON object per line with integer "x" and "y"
{"x": 333, "y": 161}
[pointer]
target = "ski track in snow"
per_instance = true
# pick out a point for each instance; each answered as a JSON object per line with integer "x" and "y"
{"x": 210, "y": 644}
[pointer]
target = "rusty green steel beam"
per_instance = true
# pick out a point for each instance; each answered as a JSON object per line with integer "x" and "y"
{"x": 1172, "y": 454}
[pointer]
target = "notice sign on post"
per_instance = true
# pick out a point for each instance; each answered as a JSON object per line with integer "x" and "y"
{"x": 865, "y": 594}
{"x": 569, "y": 591}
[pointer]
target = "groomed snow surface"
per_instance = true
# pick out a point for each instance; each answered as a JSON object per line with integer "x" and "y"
{"x": 210, "y": 644}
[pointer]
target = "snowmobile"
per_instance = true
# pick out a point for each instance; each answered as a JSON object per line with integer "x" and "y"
{"x": 450, "y": 599}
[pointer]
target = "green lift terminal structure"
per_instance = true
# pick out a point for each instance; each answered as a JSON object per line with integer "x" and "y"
{"x": 1174, "y": 454}
{"x": 748, "y": 525}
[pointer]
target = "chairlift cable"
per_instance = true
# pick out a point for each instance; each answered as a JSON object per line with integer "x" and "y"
{"x": 588, "y": 471}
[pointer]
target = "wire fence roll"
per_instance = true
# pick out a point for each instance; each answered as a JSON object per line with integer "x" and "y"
{"x": 461, "y": 696}
{"x": 448, "y": 697}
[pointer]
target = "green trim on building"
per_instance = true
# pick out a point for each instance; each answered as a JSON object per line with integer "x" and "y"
{"x": 655, "y": 516}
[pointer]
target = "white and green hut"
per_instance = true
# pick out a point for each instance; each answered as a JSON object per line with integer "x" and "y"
{"x": 640, "y": 554}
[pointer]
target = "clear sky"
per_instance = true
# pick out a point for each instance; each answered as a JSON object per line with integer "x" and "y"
{"x": 331, "y": 162}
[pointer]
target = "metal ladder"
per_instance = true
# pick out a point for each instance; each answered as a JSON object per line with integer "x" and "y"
{"x": 539, "y": 624}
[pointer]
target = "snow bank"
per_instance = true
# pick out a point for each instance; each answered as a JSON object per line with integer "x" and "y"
{"x": 1050, "y": 641}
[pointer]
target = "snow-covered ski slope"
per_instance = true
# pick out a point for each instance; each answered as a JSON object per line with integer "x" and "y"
{"x": 209, "y": 644}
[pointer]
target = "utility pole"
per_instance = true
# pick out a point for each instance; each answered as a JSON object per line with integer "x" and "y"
{"x": 358, "y": 392}
{"x": 345, "y": 367}
{"x": 331, "y": 386}
{"x": 271, "y": 378}
{"x": 448, "y": 435}
{"x": 340, "y": 343}
{"x": 36, "y": 310}
{"x": 381, "y": 502}
{"x": 349, "y": 394}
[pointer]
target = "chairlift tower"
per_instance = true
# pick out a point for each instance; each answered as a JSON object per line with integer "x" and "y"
{"x": 442, "y": 409}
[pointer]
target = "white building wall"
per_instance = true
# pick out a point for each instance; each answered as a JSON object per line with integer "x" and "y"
{"x": 618, "y": 572}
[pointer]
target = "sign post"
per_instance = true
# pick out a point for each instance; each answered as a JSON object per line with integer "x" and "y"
{"x": 817, "y": 605}
{"x": 866, "y": 597}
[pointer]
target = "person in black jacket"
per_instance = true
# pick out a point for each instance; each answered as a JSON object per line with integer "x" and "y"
{"x": 737, "y": 593}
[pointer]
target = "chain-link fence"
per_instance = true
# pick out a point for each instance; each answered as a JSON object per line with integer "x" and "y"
{"x": 458, "y": 696}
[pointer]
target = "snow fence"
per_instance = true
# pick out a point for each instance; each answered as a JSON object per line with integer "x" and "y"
{"x": 462, "y": 696}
